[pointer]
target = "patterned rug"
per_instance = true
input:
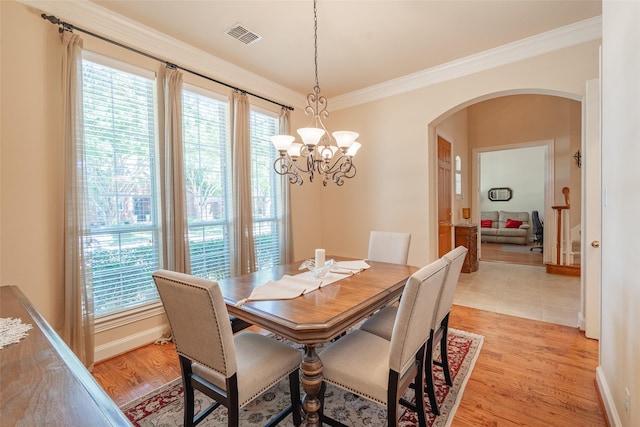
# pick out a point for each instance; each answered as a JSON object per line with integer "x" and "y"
{"x": 163, "y": 407}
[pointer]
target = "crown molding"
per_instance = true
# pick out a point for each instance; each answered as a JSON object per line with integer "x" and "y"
{"x": 92, "y": 17}
{"x": 99, "y": 20}
{"x": 570, "y": 35}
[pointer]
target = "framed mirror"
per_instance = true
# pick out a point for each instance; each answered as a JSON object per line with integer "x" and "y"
{"x": 500, "y": 194}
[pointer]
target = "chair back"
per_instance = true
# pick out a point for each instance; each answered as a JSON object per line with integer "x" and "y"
{"x": 455, "y": 259}
{"x": 199, "y": 320}
{"x": 537, "y": 224}
{"x": 388, "y": 246}
{"x": 415, "y": 313}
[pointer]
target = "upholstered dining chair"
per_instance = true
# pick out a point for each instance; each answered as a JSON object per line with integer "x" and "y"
{"x": 381, "y": 370}
{"x": 382, "y": 323}
{"x": 388, "y": 246}
{"x": 232, "y": 370}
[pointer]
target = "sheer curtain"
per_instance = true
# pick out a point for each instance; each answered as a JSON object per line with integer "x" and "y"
{"x": 244, "y": 246}
{"x": 286, "y": 239}
{"x": 175, "y": 233}
{"x": 78, "y": 289}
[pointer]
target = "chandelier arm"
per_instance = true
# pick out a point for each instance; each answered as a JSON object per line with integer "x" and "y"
{"x": 284, "y": 166}
{"x": 342, "y": 163}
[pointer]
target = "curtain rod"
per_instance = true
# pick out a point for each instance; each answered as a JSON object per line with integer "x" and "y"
{"x": 65, "y": 26}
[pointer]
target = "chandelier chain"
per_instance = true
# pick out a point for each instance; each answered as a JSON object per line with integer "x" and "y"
{"x": 315, "y": 39}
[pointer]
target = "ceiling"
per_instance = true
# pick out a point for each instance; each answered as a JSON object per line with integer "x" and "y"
{"x": 360, "y": 43}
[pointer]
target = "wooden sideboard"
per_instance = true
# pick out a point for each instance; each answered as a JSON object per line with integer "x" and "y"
{"x": 42, "y": 382}
{"x": 467, "y": 236}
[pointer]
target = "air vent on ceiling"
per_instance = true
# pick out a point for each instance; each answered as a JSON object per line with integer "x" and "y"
{"x": 246, "y": 36}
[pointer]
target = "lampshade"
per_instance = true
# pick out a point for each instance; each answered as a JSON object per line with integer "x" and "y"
{"x": 282, "y": 142}
{"x": 310, "y": 136}
{"x": 345, "y": 138}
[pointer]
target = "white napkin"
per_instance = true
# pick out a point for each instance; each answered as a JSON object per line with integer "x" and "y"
{"x": 355, "y": 266}
{"x": 288, "y": 287}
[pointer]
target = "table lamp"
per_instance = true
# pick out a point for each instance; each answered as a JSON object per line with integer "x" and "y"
{"x": 466, "y": 214}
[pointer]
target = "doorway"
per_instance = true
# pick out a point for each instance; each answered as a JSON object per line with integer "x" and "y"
{"x": 521, "y": 168}
{"x": 498, "y": 122}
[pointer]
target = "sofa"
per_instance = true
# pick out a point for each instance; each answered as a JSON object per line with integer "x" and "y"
{"x": 505, "y": 227}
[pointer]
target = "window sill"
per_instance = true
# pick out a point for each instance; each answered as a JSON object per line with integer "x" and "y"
{"x": 123, "y": 318}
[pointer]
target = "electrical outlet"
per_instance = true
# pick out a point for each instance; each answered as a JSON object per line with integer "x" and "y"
{"x": 627, "y": 400}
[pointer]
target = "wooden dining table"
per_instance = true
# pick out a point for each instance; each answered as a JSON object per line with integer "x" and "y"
{"x": 318, "y": 316}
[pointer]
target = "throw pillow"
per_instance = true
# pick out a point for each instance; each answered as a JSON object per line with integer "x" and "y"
{"x": 512, "y": 223}
{"x": 485, "y": 223}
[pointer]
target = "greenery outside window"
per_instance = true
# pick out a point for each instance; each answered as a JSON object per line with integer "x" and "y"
{"x": 265, "y": 189}
{"x": 120, "y": 139}
{"x": 205, "y": 125}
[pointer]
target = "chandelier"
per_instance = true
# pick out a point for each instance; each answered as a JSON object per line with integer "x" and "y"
{"x": 319, "y": 153}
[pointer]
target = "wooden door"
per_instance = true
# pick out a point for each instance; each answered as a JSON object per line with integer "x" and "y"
{"x": 444, "y": 196}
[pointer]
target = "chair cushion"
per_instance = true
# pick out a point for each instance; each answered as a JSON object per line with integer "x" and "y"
{"x": 381, "y": 323}
{"x": 359, "y": 362}
{"x": 262, "y": 362}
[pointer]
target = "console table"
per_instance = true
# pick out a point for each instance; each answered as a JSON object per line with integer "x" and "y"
{"x": 467, "y": 236}
{"x": 42, "y": 381}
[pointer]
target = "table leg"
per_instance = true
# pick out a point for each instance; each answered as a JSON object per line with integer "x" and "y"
{"x": 311, "y": 379}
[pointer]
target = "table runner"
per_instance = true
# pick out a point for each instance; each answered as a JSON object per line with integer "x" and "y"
{"x": 290, "y": 287}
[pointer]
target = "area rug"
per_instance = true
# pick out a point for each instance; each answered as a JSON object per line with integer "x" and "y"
{"x": 164, "y": 406}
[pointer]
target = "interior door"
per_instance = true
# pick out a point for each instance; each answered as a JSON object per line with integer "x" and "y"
{"x": 591, "y": 261}
{"x": 444, "y": 196}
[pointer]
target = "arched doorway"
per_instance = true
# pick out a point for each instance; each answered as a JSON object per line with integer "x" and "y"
{"x": 477, "y": 125}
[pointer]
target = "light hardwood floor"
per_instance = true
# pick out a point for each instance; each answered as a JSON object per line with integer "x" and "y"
{"x": 529, "y": 373}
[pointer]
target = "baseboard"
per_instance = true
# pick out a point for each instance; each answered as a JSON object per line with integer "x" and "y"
{"x": 582, "y": 321}
{"x": 128, "y": 343}
{"x": 564, "y": 270}
{"x": 607, "y": 399}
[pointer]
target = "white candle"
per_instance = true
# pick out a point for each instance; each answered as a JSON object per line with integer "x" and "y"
{"x": 319, "y": 258}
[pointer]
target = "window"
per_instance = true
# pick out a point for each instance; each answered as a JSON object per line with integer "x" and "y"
{"x": 119, "y": 137}
{"x": 206, "y": 169}
{"x": 458, "y": 178}
{"x": 123, "y": 202}
{"x": 265, "y": 189}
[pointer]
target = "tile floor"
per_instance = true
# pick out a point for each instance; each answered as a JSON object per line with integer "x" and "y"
{"x": 521, "y": 290}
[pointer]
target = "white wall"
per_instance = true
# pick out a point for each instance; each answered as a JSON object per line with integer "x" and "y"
{"x": 620, "y": 329}
{"x": 522, "y": 170}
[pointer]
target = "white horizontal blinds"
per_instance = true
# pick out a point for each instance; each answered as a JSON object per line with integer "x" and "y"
{"x": 207, "y": 165}
{"x": 119, "y": 138}
{"x": 265, "y": 189}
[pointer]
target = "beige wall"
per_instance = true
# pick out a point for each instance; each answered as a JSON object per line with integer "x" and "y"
{"x": 520, "y": 119}
{"x": 392, "y": 191}
{"x": 31, "y": 177}
{"x": 395, "y": 185}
